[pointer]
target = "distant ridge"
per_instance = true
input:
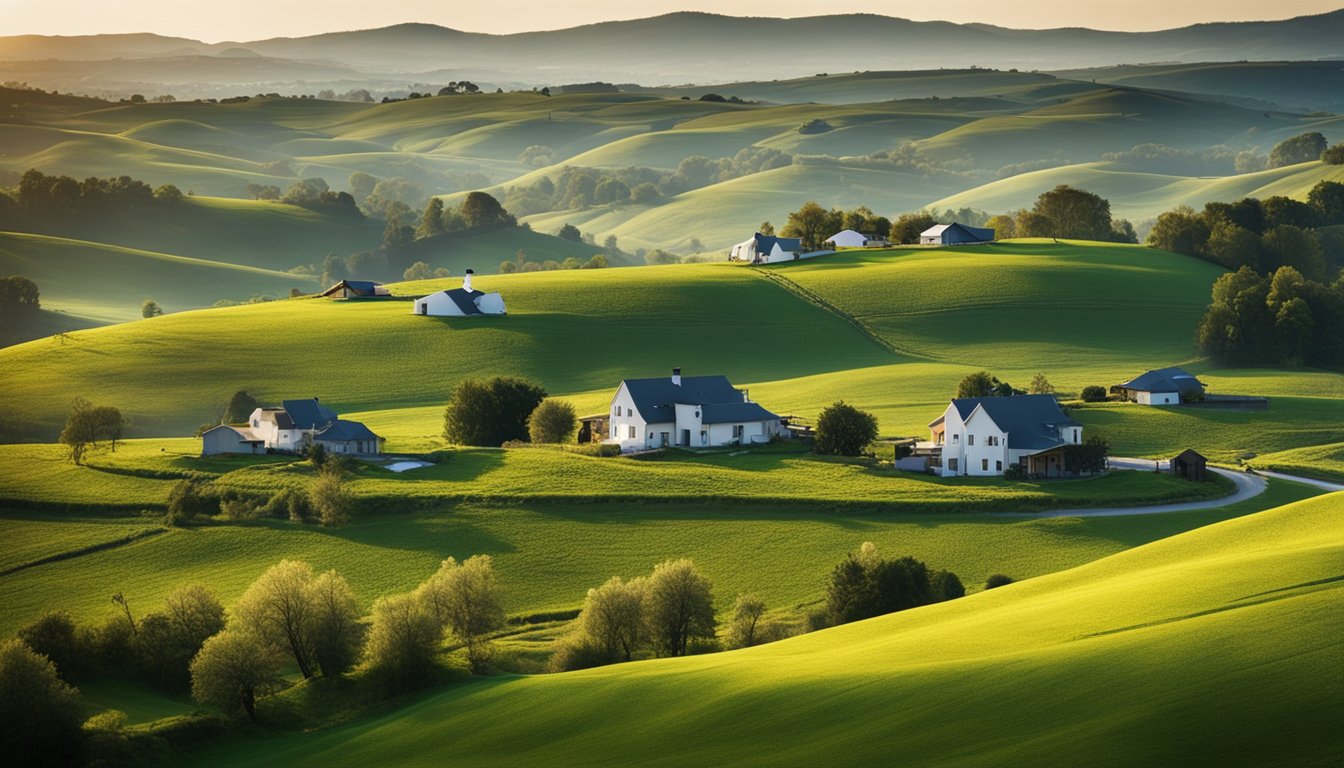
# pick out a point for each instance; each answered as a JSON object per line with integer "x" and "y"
{"x": 702, "y": 47}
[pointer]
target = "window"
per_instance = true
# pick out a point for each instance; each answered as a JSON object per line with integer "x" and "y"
{"x": 970, "y": 439}
{"x": 737, "y": 431}
{"x": 998, "y": 466}
{"x": 256, "y": 422}
{"x": 956, "y": 437}
{"x": 984, "y": 465}
{"x": 632, "y": 431}
{"x": 952, "y": 464}
{"x": 704, "y": 437}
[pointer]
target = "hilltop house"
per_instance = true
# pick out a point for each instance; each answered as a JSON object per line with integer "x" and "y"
{"x": 460, "y": 301}
{"x": 357, "y": 289}
{"x": 984, "y": 436}
{"x": 955, "y": 234}
{"x": 767, "y": 249}
{"x": 299, "y": 424}
{"x": 851, "y": 239}
{"x": 690, "y": 411}
{"x": 1164, "y": 386}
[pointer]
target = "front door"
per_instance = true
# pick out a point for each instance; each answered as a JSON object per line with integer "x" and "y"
{"x": 665, "y": 438}
{"x": 686, "y": 437}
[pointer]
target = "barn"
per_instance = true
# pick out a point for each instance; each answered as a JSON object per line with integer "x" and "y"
{"x": 460, "y": 302}
{"x": 955, "y": 234}
{"x": 1190, "y": 465}
{"x": 357, "y": 289}
{"x": 767, "y": 249}
{"x": 225, "y": 439}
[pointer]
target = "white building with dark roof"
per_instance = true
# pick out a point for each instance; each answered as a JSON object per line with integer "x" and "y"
{"x": 687, "y": 411}
{"x": 460, "y": 302}
{"x": 299, "y": 424}
{"x": 1163, "y": 386}
{"x": 984, "y": 436}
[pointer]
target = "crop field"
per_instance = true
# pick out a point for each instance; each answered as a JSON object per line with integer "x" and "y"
{"x": 1023, "y": 659}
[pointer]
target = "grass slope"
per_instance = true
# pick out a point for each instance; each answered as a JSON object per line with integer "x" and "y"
{"x": 109, "y": 282}
{"x": 1216, "y": 647}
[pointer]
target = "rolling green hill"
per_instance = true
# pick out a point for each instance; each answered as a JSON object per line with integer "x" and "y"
{"x": 1305, "y": 86}
{"x": 1218, "y": 646}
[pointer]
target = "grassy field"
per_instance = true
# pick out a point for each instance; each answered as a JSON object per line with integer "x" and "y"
{"x": 1325, "y": 462}
{"x": 1110, "y": 660}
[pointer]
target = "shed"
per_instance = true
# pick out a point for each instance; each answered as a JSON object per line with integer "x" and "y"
{"x": 226, "y": 439}
{"x": 357, "y": 289}
{"x": 1190, "y": 465}
{"x": 955, "y": 234}
{"x": 593, "y": 429}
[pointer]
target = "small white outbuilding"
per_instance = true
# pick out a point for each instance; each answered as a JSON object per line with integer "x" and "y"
{"x": 459, "y": 302}
{"x": 851, "y": 239}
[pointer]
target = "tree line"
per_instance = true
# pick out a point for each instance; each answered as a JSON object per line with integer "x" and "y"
{"x": 39, "y": 199}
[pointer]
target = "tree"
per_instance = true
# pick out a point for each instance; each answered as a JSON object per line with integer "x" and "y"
{"x": 189, "y": 499}
{"x": 481, "y": 210}
{"x": 278, "y": 609}
{"x": 865, "y": 584}
{"x": 507, "y": 267}
{"x": 552, "y": 421}
{"x": 1327, "y": 197}
{"x": 1303, "y": 148}
{"x": 361, "y": 185}
{"x": 571, "y": 233}
{"x": 1290, "y": 246}
{"x": 490, "y": 412}
{"x": 81, "y": 430}
{"x": 1089, "y": 457}
{"x": 744, "y": 629}
{"x": 1232, "y": 246}
{"x": 978, "y": 384}
{"x": 333, "y": 624}
{"x": 1040, "y": 385}
{"x": 998, "y": 580}
{"x": 328, "y": 498}
{"x": 1333, "y": 155}
{"x": 431, "y": 221}
{"x": 613, "y": 617}
{"x": 150, "y": 308}
{"x": 1003, "y": 226}
{"x": 53, "y": 635}
{"x": 680, "y": 607}
{"x": 644, "y": 194}
{"x": 1093, "y": 394}
{"x": 166, "y": 642}
{"x": 40, "y": 715}
{"x": 766, "y": 228}
{"x": 1075, "y": 213}
{"x": 240, "y": 408}
{"x": 19, "y": 301}
{"x": 403, "y": 638}
{"x": 843, "y": 430}
{"x": 908, "y": 226}
{"x": 811, "y": 224}
{"x": 945, "y": 585}
{"x": 465, "y": 600}
{"x": 233, "y": 669}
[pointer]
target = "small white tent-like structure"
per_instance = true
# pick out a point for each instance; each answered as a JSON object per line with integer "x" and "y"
{"x": 459, "y": 302}
{"x": 851, "y": 239}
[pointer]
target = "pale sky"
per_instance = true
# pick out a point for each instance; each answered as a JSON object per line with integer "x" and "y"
{"x": 253, "y": 19}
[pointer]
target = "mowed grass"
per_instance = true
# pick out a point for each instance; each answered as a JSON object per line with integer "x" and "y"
{"x": 1220, "y": 646}
{"x": 548, "y": 555}
{"x": 109, "y": 282}
{"x": 1325, "y": 462}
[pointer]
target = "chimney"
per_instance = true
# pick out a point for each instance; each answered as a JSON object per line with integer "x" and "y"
{"x": 466, "y": 280}
{"x": 676, "y": 376}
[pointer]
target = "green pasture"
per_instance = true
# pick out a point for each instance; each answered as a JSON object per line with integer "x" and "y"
{"x": 1217, "y": 646}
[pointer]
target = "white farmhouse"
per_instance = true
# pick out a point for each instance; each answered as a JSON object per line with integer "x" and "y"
{"x": 767, "y": 249}
{"x": 689, "y": 411}
{"x": 984, "y": 436}
{"x": 459, "y": 302}
{"x": 1164, "y": 386}
{"x": 851, "y": 239}
{"x": 298, "y": 424}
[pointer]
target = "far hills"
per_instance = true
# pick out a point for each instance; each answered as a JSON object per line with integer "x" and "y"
{"x": 674, "y": 48}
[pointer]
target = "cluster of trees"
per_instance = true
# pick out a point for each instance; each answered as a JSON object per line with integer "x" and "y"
{"x": 1286, "y": 318}
{"x": 19, "y": 301}
{"x": 1302, "y": 148}
{"x": 812, "y": 224}
{"x": 1261, "y": 234}
{"x": 1160, "y": 158}
{"x": 521, "y": 263}
{"x": 491, "y": 412}
{"x": 88, "y": 426}
{"x": 668, "y": 613}
{"x": 985, "y": 384}
{"x": 1088, "y": 457}
{"x": 1066, "y": 212}
{"x": 865, "y": 585}
{"x": 41, "y": 199}
{"x": 325, "y": 500}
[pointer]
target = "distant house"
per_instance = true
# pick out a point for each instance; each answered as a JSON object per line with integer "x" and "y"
{"x": 1164, "y": 386}
{"x": 298, "y": 424}
{"x": 851, "y": 239}
{"x": 227, "y": 439}
{"x": 984, "y": 436}
{"x": 955, "y": 234}
{"x": 767, "y": 249}
{"x": 690, "y": 411}
{"x": 356, "y": 289}
{"x": 458, "y": 302}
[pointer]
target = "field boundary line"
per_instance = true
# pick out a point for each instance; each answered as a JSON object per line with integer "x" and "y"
{"x": 817, "y": 300}
{"x": 89, "y": 550}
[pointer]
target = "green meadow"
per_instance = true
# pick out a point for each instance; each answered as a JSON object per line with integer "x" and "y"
{"x": 1110, "y": 660}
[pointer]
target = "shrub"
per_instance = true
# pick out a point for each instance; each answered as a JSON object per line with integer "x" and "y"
{"x": 865, "y": 584}
{"x": 328, "y": 498}
{"x": 232, "y": 670}
{"x": 843, "y": 430}
{"x": 945, "y": 585}
{"x": 40, "y": 715}
{"x": 189, "y": 499}
{"x": 577, "y": 650}
{"x": 998, "y": 580}
{"x": 290, "y": 503}
{"x": 403, "y": 639}
{"x": 553, "y": 421}
{"x": 53, "y": 635}
{"x": 605, "y": 450}
{"x": 464, "y": 599}
{"x": 1094, "y": 394}
{"x": 1333, "y": 155}
{"x": 235, "y": 506}
{"x": 490, "y": 412}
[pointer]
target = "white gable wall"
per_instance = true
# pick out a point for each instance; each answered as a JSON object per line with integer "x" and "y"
{"x": 1158, "y": 398}
{"x": 490, "y": 304}
{"x": 437, "y": 304}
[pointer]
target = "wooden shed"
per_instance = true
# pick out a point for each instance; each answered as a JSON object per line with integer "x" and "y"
{"x": 1190, "y": 465}
{"x": 593, "y": 429}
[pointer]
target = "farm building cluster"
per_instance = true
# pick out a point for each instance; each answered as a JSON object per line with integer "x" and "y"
{"x": 293, "y": 427}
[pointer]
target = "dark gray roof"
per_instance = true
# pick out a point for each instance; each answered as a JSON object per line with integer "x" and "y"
{"x": 307, "y": 414}
{"x": 342, "y": 431}
{"x": 723, "y": 413}
{"x": 359, "y": 287}
{"x": 278, "y": 415}
{"x": 766, "y": 243}
{"x": 466, "y": 300}
{"x": 960, "y": 233}
{"x": 1031, "y": 421}
{"x": 655, "y": 398}
{"x": 1165, "y": 380}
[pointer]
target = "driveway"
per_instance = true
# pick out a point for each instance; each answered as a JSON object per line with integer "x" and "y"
{"x": 1247, "y": 487}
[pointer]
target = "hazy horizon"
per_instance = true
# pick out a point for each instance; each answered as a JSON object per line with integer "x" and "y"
{"x": 260, "y": 19}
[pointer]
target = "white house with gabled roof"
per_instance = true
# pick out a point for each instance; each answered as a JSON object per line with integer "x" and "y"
{"x": 687, "y": 411}
{"x": 460, "y": 302}
{"x": 984, "y": 436}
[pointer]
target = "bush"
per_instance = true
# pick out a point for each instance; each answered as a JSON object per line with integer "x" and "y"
{"x": 403, "y": 639}
{"x": 945, "y": 585}
{"x": 53, "y": 635}
{"x": 605, "y": 450}
{"x": 40, "y": 715}
{"x": 1094, "y": 394}
{"x": 328, "y": 498}
{"x": 998, "y": 580}
{"x": 843, "y": 430}
{"x": 865, "y": 584}
{"x": 553, "y": 421}
{"x": 189, "y": 499}
{"x": 1334, "y": 155}
{"x": 577, "y": 651}
{"x": 288, "y": 503}
{"x": 491, "y": 412}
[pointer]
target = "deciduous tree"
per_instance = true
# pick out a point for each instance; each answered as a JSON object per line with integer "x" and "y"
{"x": 233, "y": 669}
